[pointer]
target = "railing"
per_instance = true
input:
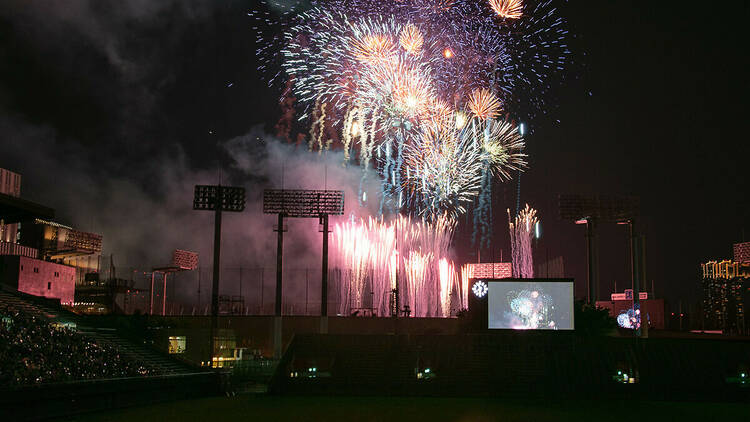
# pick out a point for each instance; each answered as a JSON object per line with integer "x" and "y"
{"x": 7, "y": 248}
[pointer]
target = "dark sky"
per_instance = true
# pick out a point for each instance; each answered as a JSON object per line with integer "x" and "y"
{"x": 654, "y": 107}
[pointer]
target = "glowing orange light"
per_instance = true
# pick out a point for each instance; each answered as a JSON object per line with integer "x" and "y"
{"x": 447, "y": 53}
{"x": 483, "y": 104}
{"x": 509, "y": 9}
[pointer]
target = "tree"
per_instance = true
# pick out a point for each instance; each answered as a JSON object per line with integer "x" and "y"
{"x": 591, "y": 320}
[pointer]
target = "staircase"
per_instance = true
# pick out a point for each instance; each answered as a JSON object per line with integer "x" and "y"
{"x": 37, "y": 306}
{"x": 159, "y": 362}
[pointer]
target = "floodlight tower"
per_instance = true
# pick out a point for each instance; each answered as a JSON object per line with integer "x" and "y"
{"x": 217, "y": 198}
{"x": 302, "y": 204}
{"x": 592, "y": 210}
{"x": 181, "y": 261}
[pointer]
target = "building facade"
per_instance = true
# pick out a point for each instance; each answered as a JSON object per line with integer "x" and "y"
{"x": 726, "y": 291}
{"x": 41, "y": 257}
{"x": 65, "y": 245}
{"x": 10, "y": 184}
{"x": 742, "y": 252}
{"x": 39, "y": 278}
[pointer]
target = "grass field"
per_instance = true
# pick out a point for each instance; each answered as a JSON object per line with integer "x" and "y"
{"x": 325, "y": 408}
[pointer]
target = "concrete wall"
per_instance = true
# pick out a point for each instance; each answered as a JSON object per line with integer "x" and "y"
{"x": 256, "y": 332}
{"x": 40, "y": 278}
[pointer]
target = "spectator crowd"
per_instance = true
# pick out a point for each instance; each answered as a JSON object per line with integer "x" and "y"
{"x": 33, "y": 351}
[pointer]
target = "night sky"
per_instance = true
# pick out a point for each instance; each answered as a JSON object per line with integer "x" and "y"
{"x": 654, "y": 106}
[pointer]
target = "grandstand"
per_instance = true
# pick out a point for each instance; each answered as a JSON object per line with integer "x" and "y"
{"x": 53, "y": 313}
{"x": 33, "y": 305}
{"x": 75, "y": 367}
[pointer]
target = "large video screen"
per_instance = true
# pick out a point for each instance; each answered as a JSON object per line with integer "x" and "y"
{"x": 531, "y": 305}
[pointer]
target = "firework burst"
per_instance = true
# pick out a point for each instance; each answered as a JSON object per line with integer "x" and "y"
{"x": 414, "y": 88}
{"x": 502, "y": 143}
{"x": 483, "y": 104}
{"x": 508, "y": 9}
{"x": 411, "y": 39}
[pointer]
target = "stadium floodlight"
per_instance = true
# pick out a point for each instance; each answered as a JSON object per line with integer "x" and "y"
{"x": 303, "y": 203}
{"x": 592, "y": 210}
{"x": 185, "y": 260}
{"x": 217, "y": 198}
{"x": 207, "y": 197}
{"x": 603, "y": 208}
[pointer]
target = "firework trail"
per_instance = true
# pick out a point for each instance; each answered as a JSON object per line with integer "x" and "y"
{"x": 402, "y": 79}
{"x": 374, "y": 257}
{"x": 467, "y": 272}
{"x": 521, "y": 234}
{"x": 448, "y": 281}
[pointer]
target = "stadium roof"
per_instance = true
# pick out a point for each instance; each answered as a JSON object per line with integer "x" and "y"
{"x": 15, "y": 210}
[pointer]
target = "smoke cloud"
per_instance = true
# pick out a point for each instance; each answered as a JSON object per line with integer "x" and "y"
{"x": 147, "y": 214}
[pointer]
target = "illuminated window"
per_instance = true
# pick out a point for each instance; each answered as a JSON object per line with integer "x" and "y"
{"x": 177, "y": 344}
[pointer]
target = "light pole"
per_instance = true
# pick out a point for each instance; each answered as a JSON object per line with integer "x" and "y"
{"x": 217, "y": 198}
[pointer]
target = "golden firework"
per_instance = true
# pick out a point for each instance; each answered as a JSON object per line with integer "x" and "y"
{"x": 411, "y": 39}
{"x": 483, "y": 104}
{"x": 508, "y": 9}
{"x": 372, "y": 48}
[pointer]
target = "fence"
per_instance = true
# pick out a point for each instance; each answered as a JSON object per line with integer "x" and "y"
{"x": 242, "y": 291}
